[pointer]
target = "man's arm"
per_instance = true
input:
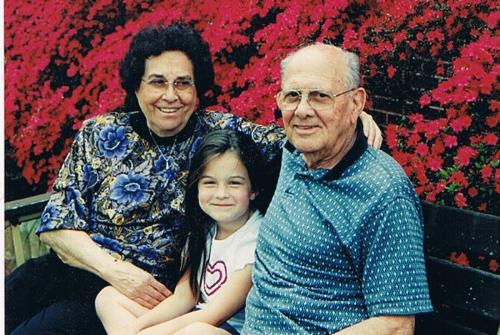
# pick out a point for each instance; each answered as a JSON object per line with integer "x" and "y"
{"x": 394, "y": 270}
{"x": 77, "y": 249}
{"x": 382, "y": 325}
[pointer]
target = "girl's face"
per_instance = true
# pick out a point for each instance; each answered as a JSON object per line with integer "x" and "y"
{"x": 225, "y": 191}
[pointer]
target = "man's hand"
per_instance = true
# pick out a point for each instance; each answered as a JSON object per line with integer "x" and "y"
{"x": 137, "y": 284}
{"x": 371, "y": 130}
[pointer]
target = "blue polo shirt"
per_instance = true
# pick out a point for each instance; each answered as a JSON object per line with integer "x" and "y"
{"x": 338, "y": 246}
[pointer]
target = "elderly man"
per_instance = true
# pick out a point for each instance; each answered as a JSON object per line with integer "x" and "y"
{"x": 340, "y": 249}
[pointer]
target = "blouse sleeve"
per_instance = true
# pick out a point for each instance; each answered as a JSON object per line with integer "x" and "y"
{"x": 269, "y": 138}
{"x": 67, "y": 207}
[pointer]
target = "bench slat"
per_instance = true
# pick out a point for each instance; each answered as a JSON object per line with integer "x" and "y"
{"x": 465, "y": 288}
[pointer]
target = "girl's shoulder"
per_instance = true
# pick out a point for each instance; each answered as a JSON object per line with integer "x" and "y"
{"x": 251, "y": 227}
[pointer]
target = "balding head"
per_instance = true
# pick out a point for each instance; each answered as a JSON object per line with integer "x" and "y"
{"x": 344, "y": 65}
{"x": 320, "y": 101}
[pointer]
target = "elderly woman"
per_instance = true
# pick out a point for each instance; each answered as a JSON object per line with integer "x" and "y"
{"x": 116, "y": 212}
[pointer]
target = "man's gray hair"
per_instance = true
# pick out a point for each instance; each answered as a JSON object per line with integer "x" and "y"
{"x": 352, "y": 76}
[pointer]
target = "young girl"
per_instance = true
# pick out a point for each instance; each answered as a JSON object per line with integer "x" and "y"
{"x": 224, "y": 194}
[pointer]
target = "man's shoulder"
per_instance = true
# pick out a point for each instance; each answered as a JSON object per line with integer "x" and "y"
{"x": 378, "y": 173}
{"x": 381, "y": 165}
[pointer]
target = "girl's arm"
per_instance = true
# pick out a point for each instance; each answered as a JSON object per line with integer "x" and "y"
{"x": 181, "y": 302}
{"x": 231, "y": 298}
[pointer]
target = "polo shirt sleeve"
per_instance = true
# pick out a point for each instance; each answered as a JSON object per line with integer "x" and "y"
{"x": 67, "y": 206}
{"x": 394, "y": 278}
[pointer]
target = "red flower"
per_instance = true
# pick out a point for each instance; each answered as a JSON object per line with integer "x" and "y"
{"x": 401, "y": 157}
{"x": 464, "y": 155}
{"x": 413, "y": 139}
{"x": 433, "y": 128}
{"x": 486, "y": 172}
{"x": 493, "y": 120}
{"x": 490, "y": 139}
{"x": 459, "y": 177}
{"x": 391, "y": 136}
{"x": 416, "y": 118}
{"x": 459, "y": 259}
{"x": 461, "y": 123}
{"x": 422, "y": 149}
{"x": 431, "y": 197}
{"x": 438, "y": 148}
{"x": 434, "y": 163}
{"x": 450, "y": 141}
{"x": 440, "y": 187}
{"x": 493, "y": 265}
{"x": 460, "y": 200}
{"x": 391, "y": 71}
{"x": 494, "y": 105}
{"x": 472, "y": 192}
{"x": 425, "y": 100}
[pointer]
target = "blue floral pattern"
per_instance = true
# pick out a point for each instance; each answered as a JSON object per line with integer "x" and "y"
{"x": 115, "y": 185}
{"x": 89, "y": 176}
{"x": 129, "y": 188}
{"x": 49, "y": 213}
{"x": 112, "y": 141}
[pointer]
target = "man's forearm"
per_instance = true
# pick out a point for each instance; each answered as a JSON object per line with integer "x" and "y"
{"x": 382, "y": 325}
{"x": 77, "y": 249}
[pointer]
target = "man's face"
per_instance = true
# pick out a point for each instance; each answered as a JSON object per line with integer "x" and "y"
{"x": 318, "y": 134}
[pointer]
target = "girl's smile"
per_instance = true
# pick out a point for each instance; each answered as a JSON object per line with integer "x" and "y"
{"x": 225, "y": 191}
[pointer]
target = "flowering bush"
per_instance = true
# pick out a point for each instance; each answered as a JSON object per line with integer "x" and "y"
{"x": 448, "y": 141}
{"x": 431, "y": 68}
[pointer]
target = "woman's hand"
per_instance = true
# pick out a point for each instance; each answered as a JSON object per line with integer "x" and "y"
{"x": 371, "y": 130}
{"x": 137, "y": 284}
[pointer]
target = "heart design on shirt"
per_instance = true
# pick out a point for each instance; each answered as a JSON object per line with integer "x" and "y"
{"x": 215, "y": 276}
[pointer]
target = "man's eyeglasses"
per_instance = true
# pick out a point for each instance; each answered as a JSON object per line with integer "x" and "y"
{"x": 160, "y": 85}
{"x": 319, "y": 100}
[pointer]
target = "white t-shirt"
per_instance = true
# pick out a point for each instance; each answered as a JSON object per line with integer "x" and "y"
{"x": 226, "y": 257}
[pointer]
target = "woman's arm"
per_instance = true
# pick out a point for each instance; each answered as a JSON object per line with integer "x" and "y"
{"x": 77, "y": 249}
{"x": 371, "y": 130}
{"x": 230, "y": 299}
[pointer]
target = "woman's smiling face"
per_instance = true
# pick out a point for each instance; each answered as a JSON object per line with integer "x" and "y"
{"x": 167, "y": 109}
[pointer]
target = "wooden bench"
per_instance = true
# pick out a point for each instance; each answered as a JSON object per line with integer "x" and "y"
{"x": 466, "y": 299}
{"x": 21, "y": 219}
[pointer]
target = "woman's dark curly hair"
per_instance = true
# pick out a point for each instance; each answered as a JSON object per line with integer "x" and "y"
{"x": 153, "y": 41}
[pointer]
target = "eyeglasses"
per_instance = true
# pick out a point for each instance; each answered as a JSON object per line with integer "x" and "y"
{"x": 160, "y": 85}
{"x": 319, "y": 100}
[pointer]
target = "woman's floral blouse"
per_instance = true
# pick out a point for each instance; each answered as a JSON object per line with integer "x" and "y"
{"x": 115, "y": 185}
